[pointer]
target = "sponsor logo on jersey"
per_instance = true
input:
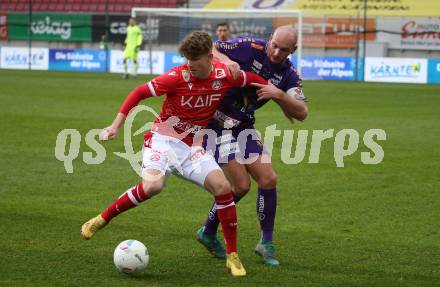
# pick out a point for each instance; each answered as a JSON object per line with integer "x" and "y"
{"x": 225, "y": 46}
{"x": 220, "y": 73}
{"x": 275, "y": 81}
{"x": 199, "y": 101}
{"x": 185, "y": 75}
{"x": 216, "y": 85}
{"x": 255, "y": 70}
{"x": 257, "y": 65}
{"x": 172, "y": 73}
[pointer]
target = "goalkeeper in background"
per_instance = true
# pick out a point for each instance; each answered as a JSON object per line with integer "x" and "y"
{"x": 132, "y": 44}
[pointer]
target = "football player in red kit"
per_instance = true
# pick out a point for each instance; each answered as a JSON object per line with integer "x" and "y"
{"x": 193, "y": 93}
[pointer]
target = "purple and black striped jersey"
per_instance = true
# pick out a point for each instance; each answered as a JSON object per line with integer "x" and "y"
{"x": 250, "y": 54}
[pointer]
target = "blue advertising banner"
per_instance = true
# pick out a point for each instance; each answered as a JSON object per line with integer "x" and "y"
{"x": 173, "y": 59}
{"x": 313, "y": 67}
{"x": 329, "y": 68}
{"x": 360, "y": 69}
{"x": 77, "y": 60}
{"x": 434, "y": 71}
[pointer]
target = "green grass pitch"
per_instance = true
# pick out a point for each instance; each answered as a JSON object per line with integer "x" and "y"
{"x": 361, "y": 225}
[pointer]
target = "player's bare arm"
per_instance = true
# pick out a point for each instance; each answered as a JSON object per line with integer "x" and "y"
{"x": 132, "y": 100}
{"x": 292, "y": 107}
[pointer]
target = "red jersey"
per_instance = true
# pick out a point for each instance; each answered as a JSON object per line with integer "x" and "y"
{"x": 191, "y": 100}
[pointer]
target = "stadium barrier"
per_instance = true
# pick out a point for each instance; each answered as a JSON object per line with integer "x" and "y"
{"x": 77, "y": 60}
{"x": 397, "y": 70}
{"x": 19, "y": 58}
{"x": 434, "y": 71}
{"x": 329, "y": 68}
{"x": 158, "y": 60}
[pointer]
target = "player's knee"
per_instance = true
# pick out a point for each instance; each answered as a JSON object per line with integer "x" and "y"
{"x": 222, "y": 187}
{"x": 241, "y": 188}
{"x": 151, "y": 188}
{"x": 268, "y": 181}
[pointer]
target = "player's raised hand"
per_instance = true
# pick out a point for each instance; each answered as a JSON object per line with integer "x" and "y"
{"x": 234, "y": 69}
{"x": 266, "y": 92}
{"x": 108, "y": 133}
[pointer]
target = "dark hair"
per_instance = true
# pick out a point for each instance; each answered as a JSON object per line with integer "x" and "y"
{"x": 222, "y": 24}
{"x": 195, "y": 45}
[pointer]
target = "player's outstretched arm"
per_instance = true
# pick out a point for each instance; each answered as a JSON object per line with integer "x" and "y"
{"x": 132, "y": 100}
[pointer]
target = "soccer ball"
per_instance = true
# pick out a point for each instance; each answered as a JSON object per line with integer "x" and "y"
{"x": 131, "y": 256}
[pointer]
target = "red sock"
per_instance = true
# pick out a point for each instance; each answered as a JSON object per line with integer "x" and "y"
{"x": 227, "y": 214}
{"x": 126, "y": 201}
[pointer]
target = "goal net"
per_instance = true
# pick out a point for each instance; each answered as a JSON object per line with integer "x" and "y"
{"x": 164, "y": 28}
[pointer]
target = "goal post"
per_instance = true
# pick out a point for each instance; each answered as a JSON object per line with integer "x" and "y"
{"x": 164, "y": 28}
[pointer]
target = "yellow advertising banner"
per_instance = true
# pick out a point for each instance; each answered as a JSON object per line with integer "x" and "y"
{"x": 224, "y": 4}
{"x": 339, "y": 7}
{"x": 374, "y": 7}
